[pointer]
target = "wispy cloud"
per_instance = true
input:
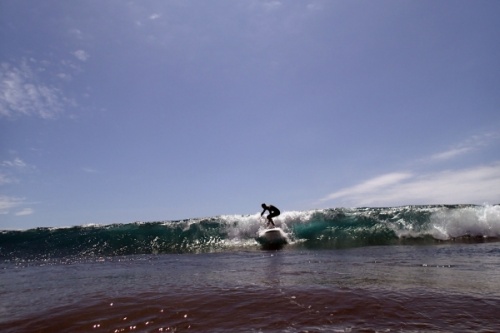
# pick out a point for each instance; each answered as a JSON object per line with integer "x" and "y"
{"x": 89, "y": 170}
{"x": 373, "y": 185}
{"x": 81, "y": 55}
{"x": 6, "y": 179}
{"x": 154, "y": 16}
{"x": 15, "y": 166}
{"x": 15, "y": 163}
{"x": 449, "y": 154}
{"x": 23, "y": 92}
{"x": 8, "y": 202}
{"x": 8, "y": 168}
{"x": 475, "y": 185}
{"x": 469, "y": 145}
{"x": 314, "y": 6}
{"x": 76, "y": 33}
{"x": 24, "y": 212}
{"x": 272, "y": 5}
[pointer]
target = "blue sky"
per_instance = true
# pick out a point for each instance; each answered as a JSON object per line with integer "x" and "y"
{"x": 122, "y": 111}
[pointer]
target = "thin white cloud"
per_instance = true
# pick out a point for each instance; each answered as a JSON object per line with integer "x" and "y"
{"x": 16, "y": 163}
{"x": 10, "y": 167}
{"x": 81, "y": 55}
{"x": 24, "y": 212}
{"x": 23, "y": 92}
{"x": 15, "y": 166}
{"x": 7, "y": 203}
{"x": 77, "y": 33}
{"x": 475, "y": 185}
{"x": 154, "y": 16}
{"x": 272, "y": 5}
{"x": 370, "y": 186}
{"x": 470, "y": 145}
{"x": 314, "y": 6}
{"x": 449, "y": 154}
{"x": 64, "y": 76}
{"x": 89, "y": 170}
{"x": 6, "y": 179}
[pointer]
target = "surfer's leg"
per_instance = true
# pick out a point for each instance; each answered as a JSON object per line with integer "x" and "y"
{"x": 270, "y": 220}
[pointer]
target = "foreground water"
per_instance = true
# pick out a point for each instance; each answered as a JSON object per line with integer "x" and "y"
{"x": 452, "y": 287}
{"x": 331, "y": 277}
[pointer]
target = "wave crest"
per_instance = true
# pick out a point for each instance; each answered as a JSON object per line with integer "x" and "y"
{"x": 327, "y": 228}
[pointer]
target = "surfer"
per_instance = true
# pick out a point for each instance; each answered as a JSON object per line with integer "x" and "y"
{"x": 273, "y": 212}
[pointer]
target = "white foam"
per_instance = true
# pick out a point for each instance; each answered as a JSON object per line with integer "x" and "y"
{"x": 242, "y": 227}
{"x": 468, "y": 221}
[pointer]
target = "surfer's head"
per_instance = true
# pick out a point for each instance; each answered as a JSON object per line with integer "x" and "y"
{"x": 264, "y": 205}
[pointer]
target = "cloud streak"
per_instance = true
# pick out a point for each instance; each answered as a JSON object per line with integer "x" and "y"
{"x": 373, "y": 185}
{"x": 23, "y": 92}
{"x": 476, "y": 185}
{"x": 7, "y": 203}
{"x": 154, "y": 16}
{"x": 81, "y": 55}
{"x": 468, "y": 146}
{"x": 17, "y": 163}
{"x": 89, "y": 170}
{"x": 25, "y": 212}
{"x": 5, "y": 179}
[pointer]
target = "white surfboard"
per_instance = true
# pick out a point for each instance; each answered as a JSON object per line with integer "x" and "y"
{"x": 274, "y": 237}
{"x": 274, "y": 234}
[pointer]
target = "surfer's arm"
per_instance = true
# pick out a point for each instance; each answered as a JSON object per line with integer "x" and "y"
{"x": 263, "y": 211}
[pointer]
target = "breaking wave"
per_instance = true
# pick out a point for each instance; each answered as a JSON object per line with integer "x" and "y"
{"x": 327, "y": 228}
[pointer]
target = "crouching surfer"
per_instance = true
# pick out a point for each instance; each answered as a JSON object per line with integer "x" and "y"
{"x": 273, "y": 212}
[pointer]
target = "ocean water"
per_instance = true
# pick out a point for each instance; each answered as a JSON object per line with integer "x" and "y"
{"x": 400, "y": 269}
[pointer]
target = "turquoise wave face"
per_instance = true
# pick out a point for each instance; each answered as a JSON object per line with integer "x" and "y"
{"x": 328, "y": 228}
{"x": 111, "y": 240}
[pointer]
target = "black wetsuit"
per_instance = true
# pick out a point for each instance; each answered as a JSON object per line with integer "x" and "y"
{"x": 273, "y": 212}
